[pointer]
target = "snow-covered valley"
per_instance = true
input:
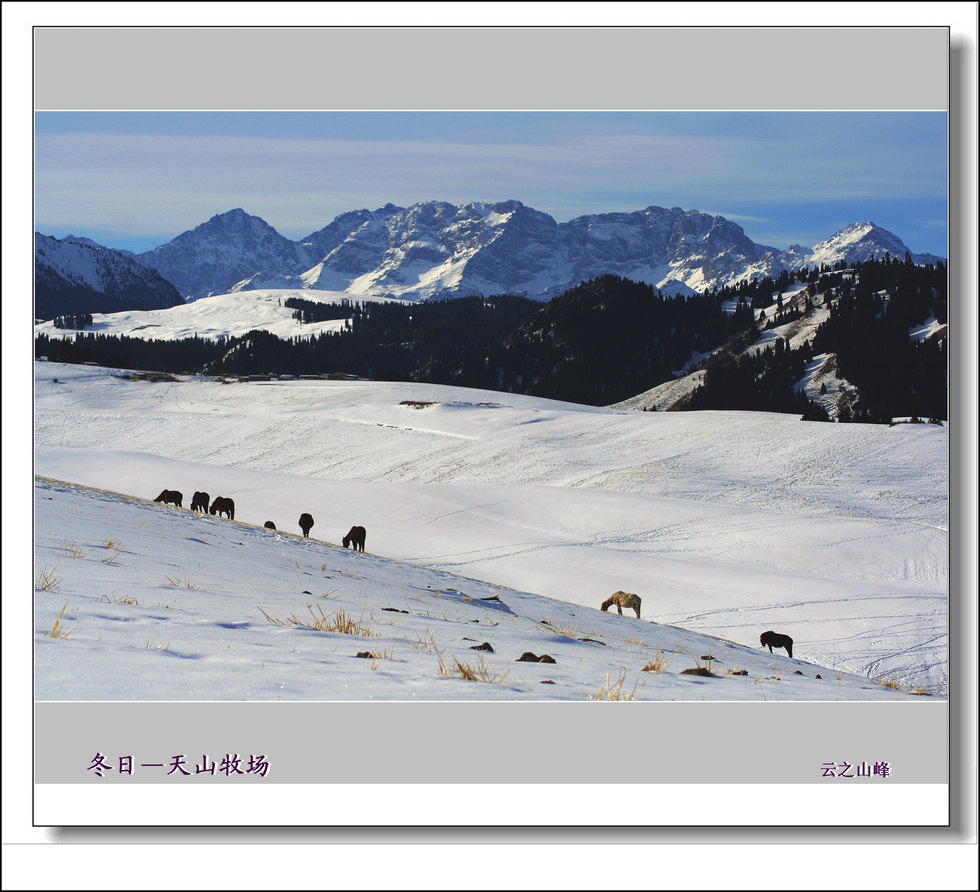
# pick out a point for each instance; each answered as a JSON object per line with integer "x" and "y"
{"x": 726, "y": 524}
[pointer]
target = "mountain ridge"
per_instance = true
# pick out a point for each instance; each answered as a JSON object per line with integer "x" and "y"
{"x": 437, "y": 249}
{"x": 78, "y": 275}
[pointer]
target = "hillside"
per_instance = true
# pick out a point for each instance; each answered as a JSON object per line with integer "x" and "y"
{"x": 75, "y": 275}
{"x": 279, "y": 617}
{"x": 725, "y": 523}
{"x": 865, "y": 343}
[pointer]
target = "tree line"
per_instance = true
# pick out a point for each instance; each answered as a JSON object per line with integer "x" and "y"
{"x": 603, "y": 341}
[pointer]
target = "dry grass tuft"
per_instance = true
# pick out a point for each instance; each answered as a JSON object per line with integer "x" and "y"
{"x": 114, "y": 549}
{"x": 47, "y": 581}
{"x": 699, "y": 667}
{"x": 72, "y": 550}
{"x": 179, "y": 583}
{"x": 58, "y": 630}
{"x": 459, "y": 669}
{"x": 570, "y": 630}
{"x": 339, "y": 622}
{"x": 425, "y": 645}
{"x": 129, "y": 600}
{"x": 290, "y": 620}
{"x": 160, "y": 646}
{"x": 375, "y": 655}
{"x": 658, "y": 664}
{"x": 614, "y": 690}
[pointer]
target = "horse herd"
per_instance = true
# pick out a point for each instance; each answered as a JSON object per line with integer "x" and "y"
{"x": 222, "y": 506}
{"x": 357, "y": 535}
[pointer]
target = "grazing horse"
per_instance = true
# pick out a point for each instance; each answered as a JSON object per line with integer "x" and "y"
{"x": 269, "y": 525}
{"x": 774, "y": 639}
{"x": 305, "y": 524}
{"x": 170, "y": 497}
{"x": 621, "y": 600}
{"x": 221, "y": 505}
{"x": 200, "y": 502}
{"x": 357, "y": 535}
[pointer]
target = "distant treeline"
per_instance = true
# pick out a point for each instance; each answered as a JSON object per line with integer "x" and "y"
{"x": 603, "y": 341}
{"x": 76, "y": 320}
{"x": 386, "y": 341}
{"x": 307, "y": 311}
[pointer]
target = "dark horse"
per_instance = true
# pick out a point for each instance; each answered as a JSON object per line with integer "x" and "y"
{"x": 773, "y": 639}
{"x": 221, "y": 505}
{"x": 170, "y": 497}
{"x": 305, "y": 524}
{"x": 357, "y": 535}
{"x": 269, "y": 525}
{"x": 200, "y": 502}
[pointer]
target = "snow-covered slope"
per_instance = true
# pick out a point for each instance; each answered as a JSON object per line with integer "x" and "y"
{"x": 725, "y": 523}
{"x": 436, "y": 249}
{"x": 223, "y": 315}
{"x": 149, "y": 602}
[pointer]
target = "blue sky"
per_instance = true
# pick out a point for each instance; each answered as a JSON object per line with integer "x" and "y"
{"x": 138, "y": 179}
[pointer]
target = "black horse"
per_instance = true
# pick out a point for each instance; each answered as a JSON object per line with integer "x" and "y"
{"x": 269, "y": 525}
{"x": 200, "y": 502}
{"x": 774, "y": 639}
{"x": 170, "y": 497}
{"x": 305, "y": 524}
{"x": 357, "y": 535}
{"x": 221, "y": 505}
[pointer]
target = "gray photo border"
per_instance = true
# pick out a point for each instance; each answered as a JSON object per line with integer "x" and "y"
{"x": 97, "y": 84}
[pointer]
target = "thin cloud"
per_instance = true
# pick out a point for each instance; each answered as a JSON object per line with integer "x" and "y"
{"x": 760, "y": 166}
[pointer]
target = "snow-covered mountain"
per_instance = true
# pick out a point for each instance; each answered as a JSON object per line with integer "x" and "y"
{"x": 437, "y": 249}
{"x": 226, "y": 250}
{"x": 860, "y": 242}
{"x": 77, "y": 275}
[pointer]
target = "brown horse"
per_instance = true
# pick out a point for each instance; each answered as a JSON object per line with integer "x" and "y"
{"x": 357, "y": 535}
{"x": 774, "y": 639}
{"x": 170, "y": 497}
{"x": 200, "y": 502}
{"x": 305, "y": 524}
{"x": 221, "y": 505}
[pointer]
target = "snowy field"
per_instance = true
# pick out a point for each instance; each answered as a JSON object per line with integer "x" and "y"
{"x": 726, "y": 524}
{"x": 221, "y": 315}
